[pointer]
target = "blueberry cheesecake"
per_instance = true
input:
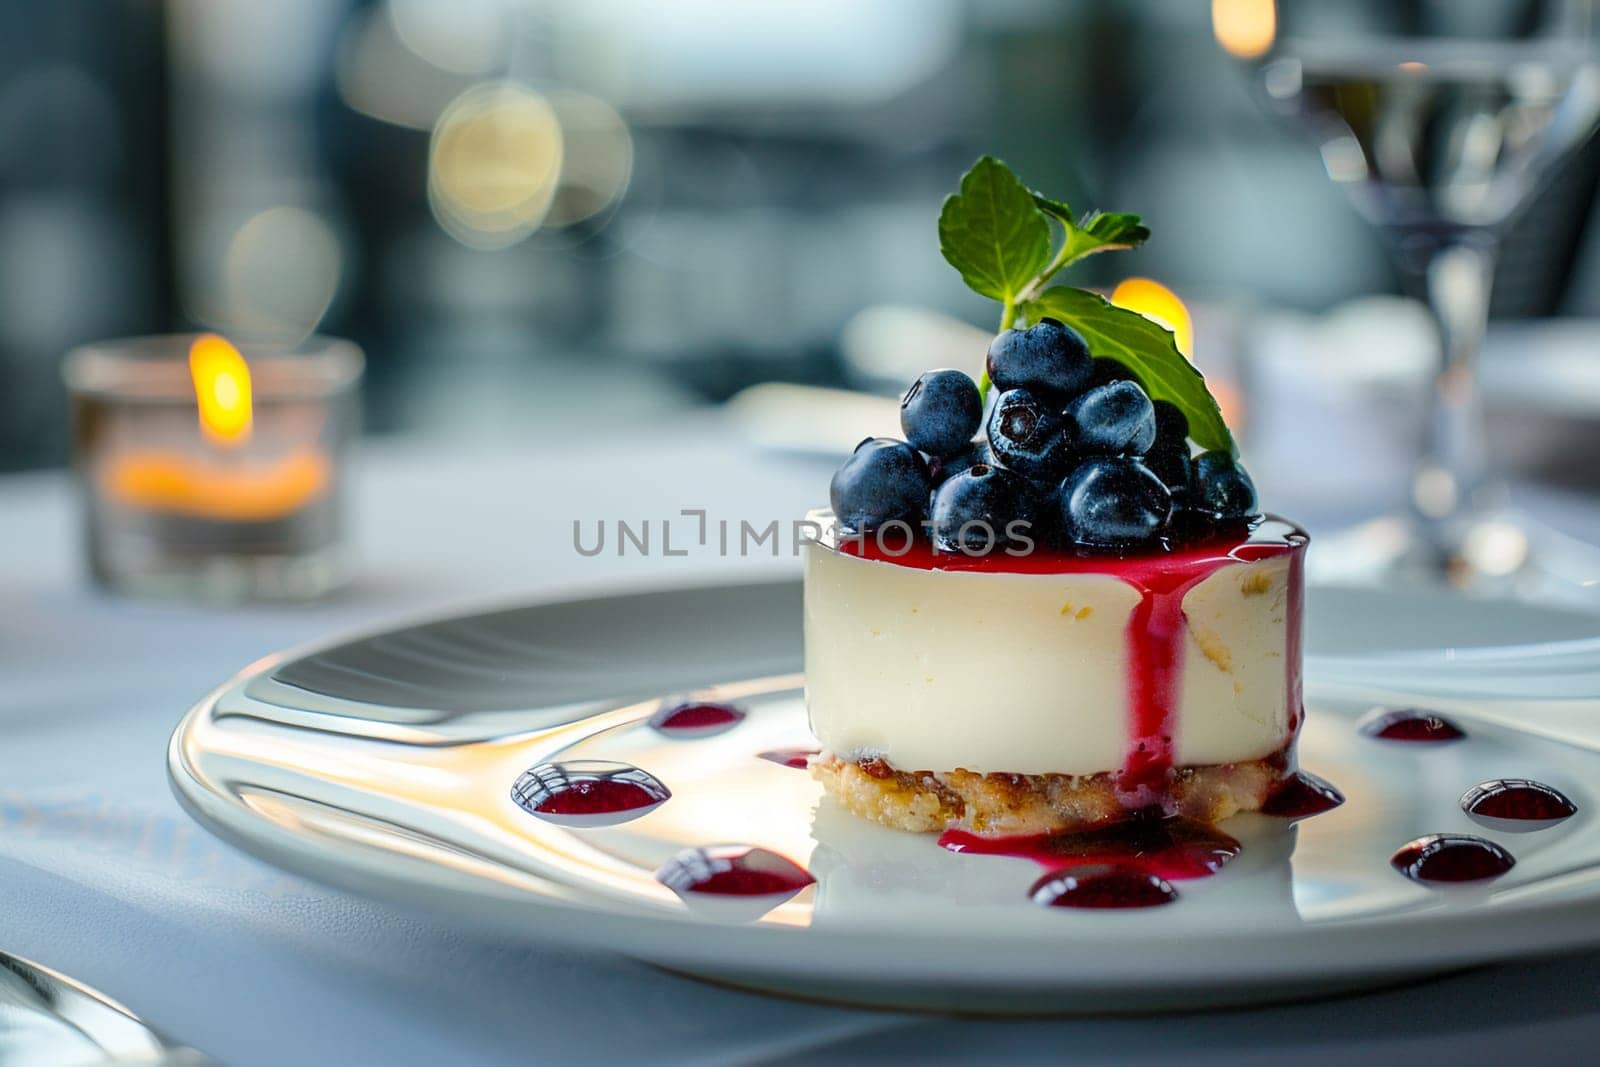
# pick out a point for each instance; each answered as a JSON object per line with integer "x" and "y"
{"x": 1056, "y": 603}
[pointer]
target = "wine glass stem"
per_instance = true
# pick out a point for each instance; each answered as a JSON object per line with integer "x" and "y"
{"x": 1451, "y": 476}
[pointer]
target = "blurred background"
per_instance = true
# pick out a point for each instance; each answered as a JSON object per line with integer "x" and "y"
{"x": 537, "y": 215}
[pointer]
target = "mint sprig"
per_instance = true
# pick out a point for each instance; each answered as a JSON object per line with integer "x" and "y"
{"x": 997, "y": 233}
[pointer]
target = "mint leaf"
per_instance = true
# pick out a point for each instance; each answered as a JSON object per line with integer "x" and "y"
{"x": 1115, "y": 230}
{"x": 992, "y": 233}
{"x": 1057, "y": 208}
{"x": 1145, "y": 348}
{"x": 1093, "y": 233}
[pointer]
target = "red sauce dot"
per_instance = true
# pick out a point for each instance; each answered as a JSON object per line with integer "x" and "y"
{"x": 1521, "y": 799}
{"x": 1452, "y": 858}
{"x": 798, "y": 758}
{"x": 1302, "y": 796}
{"x": 696, "y": 717}
{"x": 587, "y": 788}
{"x": 598, "y": 797}
{"x": 1410, "y": 724}
{"x": 732, "y": 870}
{"x": 739, "y": 882}
{"x": 1103, "y": 885}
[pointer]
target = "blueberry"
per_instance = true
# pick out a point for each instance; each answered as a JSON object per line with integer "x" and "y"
{"x": 940, "y": 468}
{"x": 1172, "y": 426}
{"x": 1107, "y": 370}
{"x": 1174, "y": 467}
{"x": 1027, "y": 434}
{"x": 882, "y": 481}
{"x": 1222, "y": 491}
{"x": 1116, "y": 419}
{"x": 1113, "y": 503}
{"x": 1169, "y": 456}
{"x": 1047, "y": 357}
{"x": 981, "y": 510}
{"x": 941, "y": 411}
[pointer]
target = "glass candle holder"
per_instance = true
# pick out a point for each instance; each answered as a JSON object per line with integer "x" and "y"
{"x": 214, "y": 472}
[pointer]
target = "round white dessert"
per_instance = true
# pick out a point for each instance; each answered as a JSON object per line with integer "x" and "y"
{"x": 993, "y": 671}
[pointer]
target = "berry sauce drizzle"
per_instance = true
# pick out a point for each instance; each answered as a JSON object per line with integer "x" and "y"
{"x": 1518, "y": 799}
{"x": 1410, "y": 724}
{"x": 1294, "y": 626}
{"x": 1301, "y": 797}
{"x": 1451, "y": 858}
{"x": 1169, "y": 848}
{"x": 695, "y": 718}
{"x": 1154, "y": 639}
{"x": 733, "y": 871}
{"x": 1103, "y": 885}
{"x": 798, "y": 758}
{"x": 1156, "y": 628}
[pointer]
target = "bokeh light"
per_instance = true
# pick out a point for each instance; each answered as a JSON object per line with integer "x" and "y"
{"x": 1160, "y": 305}
{"x": 494, "y": 164}
{"x": 378, "y": 76}
{"x": 1244, "y": 28}
{"x": 280, "y": 272}
{"x": 596, "y": 158}
{"x": 462, "y": 36}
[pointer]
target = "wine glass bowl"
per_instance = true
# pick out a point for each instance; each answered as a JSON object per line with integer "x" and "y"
{"x": 1442, "y": 122}
{"x": 1437, "y": 136}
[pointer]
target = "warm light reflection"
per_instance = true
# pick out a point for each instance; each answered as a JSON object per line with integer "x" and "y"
{"x": 1160, "y": 305}
{"x": 221, "y": 389}
{"x": 1244, "y": 28}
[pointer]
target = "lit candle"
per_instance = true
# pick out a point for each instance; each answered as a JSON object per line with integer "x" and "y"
{"x": 208, "y": 474}
{"x": 219, "y": 483}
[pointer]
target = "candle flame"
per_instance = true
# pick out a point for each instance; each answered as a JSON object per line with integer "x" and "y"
{"x": 1244, "y": 28}
{"x": 1160, "y": 305}
{"x": 221, "y": 389}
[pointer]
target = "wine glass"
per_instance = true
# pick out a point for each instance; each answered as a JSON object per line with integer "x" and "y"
{"x": 1442, "y": 121}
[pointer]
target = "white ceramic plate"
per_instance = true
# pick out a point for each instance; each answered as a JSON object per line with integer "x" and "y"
{"x": 385, "y": 765}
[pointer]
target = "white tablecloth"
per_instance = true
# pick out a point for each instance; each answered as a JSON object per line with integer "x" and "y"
{"x": 103, "y": 877}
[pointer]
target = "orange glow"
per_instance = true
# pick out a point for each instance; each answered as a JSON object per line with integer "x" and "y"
{"x": 1244, "y": 28}
{"x": 1230, "y": 400}
{"x": 222, "y": 390}
{"x": 1413, "y": 66}
{"x": 1160, "y": 305}
{"x": 217, "y": 488}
